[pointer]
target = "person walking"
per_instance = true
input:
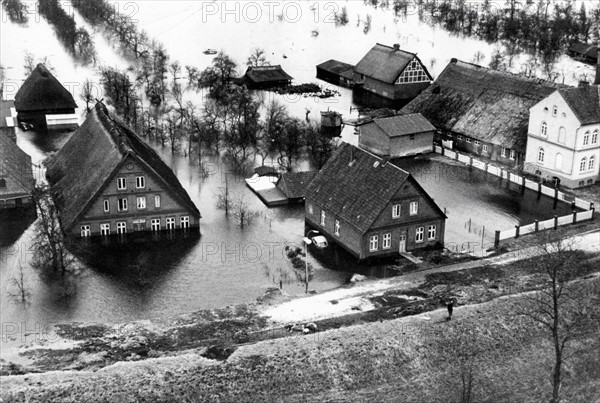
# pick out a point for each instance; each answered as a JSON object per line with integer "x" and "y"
{"x": 450, "y": 306}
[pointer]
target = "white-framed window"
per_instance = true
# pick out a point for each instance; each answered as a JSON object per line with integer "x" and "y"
{"x": 512, "y": 155}
{"x": 141, "y": 202}
{"x": 562, "y": 135}
{"x": 396, "y": 208}
{"x": 419, "y": 234}
{"x": 586, "y": 138}
{"x": 121, "y": 227}
{"x": 322, "y": 217}
{"x": 505, "y": 152}
{"x": 414, "y": 208}
{"x": 337, "y": 227}
{"x": 541, "y": 155}
{"x": 170, "y": 222}
{"x": 485, "y": 148}
{"x": 184, "y": 222}
{"x": 157, "y": 201}
{"x": 595, "y": 136}
{"x": 468, "y": 139}
{"x": 121, "y": 183}
{"x": 140, "y": 182}
{"x": 374, "y": 243}
{"x": 477, "y": 142}
{"x": 592, "y": 163}
{"x": 554, "y": 110}
{"x": 155, "y": 224}
{"x": 106, "y": 206}
{"x": 583, "y": 164}
{"x": 123, "y": 204}
{"x": 431, "y": 232}
{"x": 387, "y": 241}
{"x": 104, "y": 229}
{"x": 459, "y": 137}
{"x": 85, "y": 231}
{"x": 544, "y": 130}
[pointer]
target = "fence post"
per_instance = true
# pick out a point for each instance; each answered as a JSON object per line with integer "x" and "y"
{"x": 574, "y": 217}
{"x": 537, "y": 227}
{"x": 555, "y": 222}
{"x": 486, "y": 167}
{"x": 517, "y": 231}
{"x": 497, "y": 239}
{"x": 471, "y": 160}
{"x": 593, "y": 211}
{"x": 555, "y": 194}
{"x": 523, "y": 185}
{"x": 443, "y": 150}
{"x": 456, "y": 156}
{"x": 539, "y": 194}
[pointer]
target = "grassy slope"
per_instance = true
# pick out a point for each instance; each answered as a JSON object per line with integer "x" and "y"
{"x": 418, "y": 358}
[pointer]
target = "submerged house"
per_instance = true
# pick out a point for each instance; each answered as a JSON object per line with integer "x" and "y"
{"x": 106, "y": 180}
{"x": 397, "y": 136}
{"x": 8, "y": 119}
{"x": 43, "y": 101}
{"x": 16, "y": 175}
{"x": 585, "y": 52}
{"x": 484, "y": 112}
{"x": 336, "y": 72}
{"x": 391, "y": 73}
{"x": 370, "y": 207}
{"x": 263, "y": 77}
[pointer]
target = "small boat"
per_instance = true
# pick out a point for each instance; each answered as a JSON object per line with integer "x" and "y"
{"x": 315, "y": 32}
{"x": 210, "y": 52}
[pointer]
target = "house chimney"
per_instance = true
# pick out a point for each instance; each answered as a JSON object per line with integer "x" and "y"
{"x": 597, "y": 80}
{"x": 453, "y": 60}
{"x": 396, "y": 47}
{"x": 385, "y": 160}
{"x": 584, "y": 84}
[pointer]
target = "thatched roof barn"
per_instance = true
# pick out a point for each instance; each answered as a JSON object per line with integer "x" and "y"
{"x": 16, "y": 177}
{"x": 263, "y": 77}
{"x": 584, "y": 52}
{"x": 85, "y": 170}
{"x": 42, "y": 93}
{"x": 480, "y": 103}
{"x": 336, "y": 72}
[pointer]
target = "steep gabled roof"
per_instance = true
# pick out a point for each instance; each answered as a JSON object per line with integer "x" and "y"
{"x": 15, "y": 169}
{"x": 79, "y": 171}
{"x": 263, "y": 74}
{"x": 294, "y": 184}
{"x": 42, "y": 91}
{"x": 384, "y": 63}
{"x": 357, "y": 191}
{"x": 481, "y": 103}
{"x": 403, "y": 125}
{"x": 584, "y": 102}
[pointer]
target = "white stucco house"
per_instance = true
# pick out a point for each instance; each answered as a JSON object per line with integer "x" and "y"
{"x": 563, "y": 136}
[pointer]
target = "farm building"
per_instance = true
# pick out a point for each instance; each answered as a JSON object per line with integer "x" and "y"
{"x": 264, "y": 77}
{"x": 106, "y": 180}
{"x": 16, "y": 176}
{"x": 8, "y": 119}
{"x": 397, "y": 136}
{"x": 336, "y": 72}
{"x": 370, "y": 207}
{"x": 584, "y": 52}
{"x": 294, "y": 184}
{"x": 483, "y": 111}
{"x": 391, "y": 73}
{"x": 43, "y": 101}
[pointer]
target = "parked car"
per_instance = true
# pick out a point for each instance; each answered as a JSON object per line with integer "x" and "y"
{"x": 320, "y": 241}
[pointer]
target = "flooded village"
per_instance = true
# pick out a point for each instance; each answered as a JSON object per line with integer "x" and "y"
{"x": 388, "y": 200}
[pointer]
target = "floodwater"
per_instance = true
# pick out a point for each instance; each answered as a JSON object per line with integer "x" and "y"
{"x": 227, "y": 264}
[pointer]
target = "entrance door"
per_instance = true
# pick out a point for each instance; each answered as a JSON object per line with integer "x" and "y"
{"x": 402, "y": 247}
{"x": 139, "y": 225}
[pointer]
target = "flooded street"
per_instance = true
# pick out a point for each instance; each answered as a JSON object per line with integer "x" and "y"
{"x": 227, "y": 264}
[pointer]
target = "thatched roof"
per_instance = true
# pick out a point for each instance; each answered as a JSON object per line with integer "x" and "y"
{"x": 42, "y": 91}
{"x": 385, "y": 63}
{"x": 584, "y": 49}
{"x": 294, "y": 184}
{"x": 15, "y": 169}
{"x": 264, "y": 74}
{"x": 481, "y": 103}
{"x": 335, "y": 66}
{"x": 357, "y": 192}
{"x": 584, "y": 102}
{"x": 79, "y": 171}
{"x": 401, "y": 125}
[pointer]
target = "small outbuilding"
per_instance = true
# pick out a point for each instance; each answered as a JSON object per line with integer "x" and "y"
{"x": 584, "y": 52}
{"x": 397, "y": 136}
{"x": 336, "y": 72}
{"x": 294, "y": 184}
{"x": 264, "y": 77}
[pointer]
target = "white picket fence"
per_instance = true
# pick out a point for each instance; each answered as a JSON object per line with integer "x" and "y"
{"x": 503, "y": 173}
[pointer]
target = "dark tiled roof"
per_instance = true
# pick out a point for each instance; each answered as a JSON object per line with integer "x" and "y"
{"x": 403, "y": 125}
{"x": 5, "y": 112}
{"x": 584, "y": 49}
{"x": 80, "y": 169}
{"x": 356, "y": 192}
{"x": 265, "y": 170}
{"x": 294, "y": 184}
{"x": 584, "y": 102}
{"x": 481, "y": 103}
{"x": 384, "y": 63}
{"x": 15, "y": 168}
{"x": 267, "y": 73}
{"x": 42, "y": 91}
{"x": 335, "y": 66}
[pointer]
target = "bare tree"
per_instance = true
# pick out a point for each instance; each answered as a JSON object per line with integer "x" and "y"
{"x": 87, "y": 95}
{"x": 21, "y": 292}
{"x": 257, "y": 58}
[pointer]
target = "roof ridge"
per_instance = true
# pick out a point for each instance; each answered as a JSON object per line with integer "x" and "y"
{"x": 399, "y": 49}
{"x": 380, "y": 159}
{"x": 537, "y": 80}
{"x": 113, "y": 127}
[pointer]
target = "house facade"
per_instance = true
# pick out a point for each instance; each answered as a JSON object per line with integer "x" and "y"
{"x": 370, "y": 207}
{"x": 391, "y": 73}
{"x": 106, "y": 181}
{"x": 16, "y": 176}
{"x": 397, "y": 136}
{"x": 481, "y": 111}
{"x": 563, "y": 138}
